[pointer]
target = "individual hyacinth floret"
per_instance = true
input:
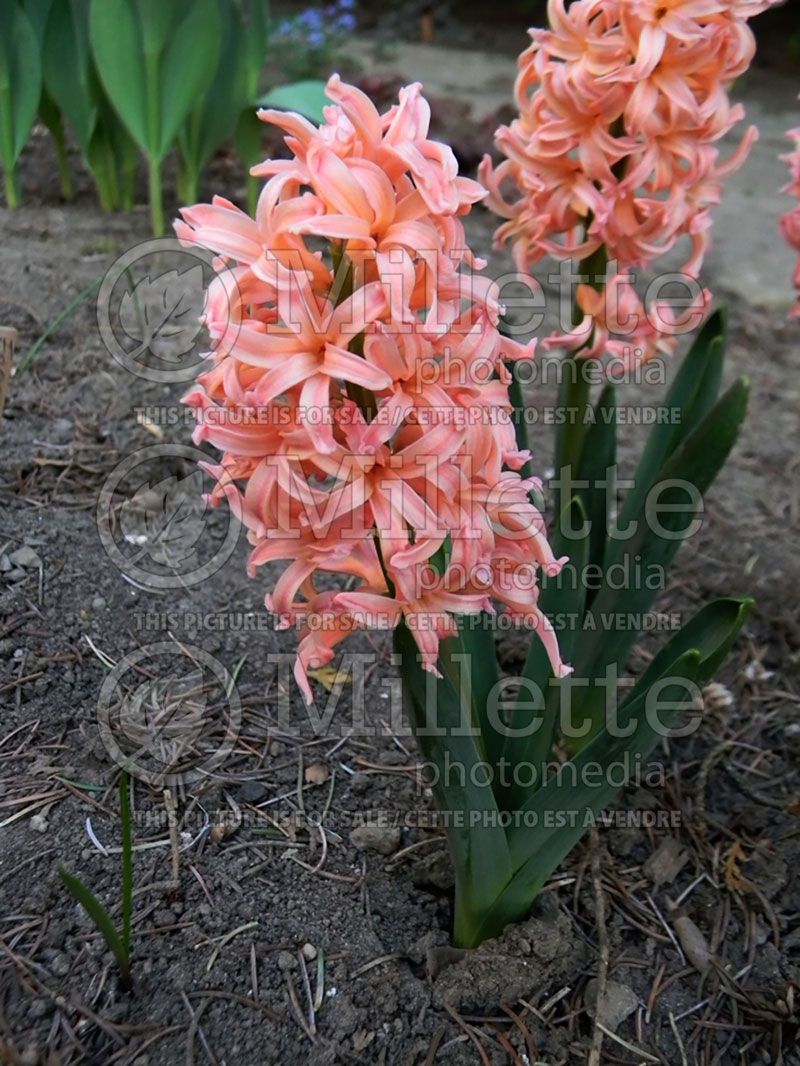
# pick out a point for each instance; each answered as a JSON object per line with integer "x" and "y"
{"x": 622, "y": 105}
{"x": 790, "y": 222}
{"x": 358, "y": 388}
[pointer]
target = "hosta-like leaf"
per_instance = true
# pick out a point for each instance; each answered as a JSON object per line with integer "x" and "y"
{"x": 68, "y": 66}
{"x": 306, "y": 97}
{"x": 20, "y": 82}
{"x": 119, "y": 55}
{"x": 187, "y": 67}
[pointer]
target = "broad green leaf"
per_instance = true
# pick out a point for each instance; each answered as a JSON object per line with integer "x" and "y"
{"x": 101, "y": 918}
{"x": 38, "y": 12}
{"x": 157, "y": 20}
{"x": 255, "y": 16}
{"x": 187, "y": 67}
{"x": 154, "y": 59}
{"x": 479, "y": 673}
{"x": 215, "y": 117}
{"x": 68, "y": 66}
{"x": 119, "y": 57}
{"x": 306, "y": 97}
{"x": 20, "y": 82}
{"x": 443, "y": 729}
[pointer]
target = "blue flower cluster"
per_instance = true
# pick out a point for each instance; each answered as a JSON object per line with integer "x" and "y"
{"x": 316, "y": 28}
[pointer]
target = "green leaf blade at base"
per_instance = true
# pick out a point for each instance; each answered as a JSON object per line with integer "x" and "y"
{"x": 101, "y": 918}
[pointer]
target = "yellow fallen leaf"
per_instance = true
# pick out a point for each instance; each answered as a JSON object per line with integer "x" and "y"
{"x": 328, "y": 676}
{"x": 734, "y": 878}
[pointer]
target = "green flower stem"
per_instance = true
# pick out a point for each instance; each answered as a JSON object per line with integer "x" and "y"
{"x": 153, "y": 162}
{"x": 575, "y": 394}
{"x": 64, "y": 176}
{"x": 156, "y": 204}
{"x": 12, "y": 187}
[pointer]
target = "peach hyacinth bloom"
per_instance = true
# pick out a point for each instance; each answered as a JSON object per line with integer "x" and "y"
{"x": 790, "y": 223}
{"x": 358, "y": 390}
{"x": 622, "y": 103}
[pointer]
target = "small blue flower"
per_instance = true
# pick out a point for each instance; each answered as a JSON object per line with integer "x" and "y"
{"x": 316, "y": 39}
{"x": 347, "y": 5}
{"x": 346, "y": 23}
{"x": 311, "y": 18}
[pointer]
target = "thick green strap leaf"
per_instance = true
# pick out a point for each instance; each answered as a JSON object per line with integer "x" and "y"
{"x": 478, "y": 673}
{"x": 711, "y": 632}
{"x": 683, "y": 479}
{"x": 306, "y": 97}
{"x": 535, "y": 716}
{"x": 446, "y": 734}
{"x": 691, "y": 396}
{"x": 553, "y": 820}
{"x": 597, "y": 468}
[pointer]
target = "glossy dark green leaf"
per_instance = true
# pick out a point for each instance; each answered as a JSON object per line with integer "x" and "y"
{"x": 689, "y": 399}
{"x": 696, "y": 461}
{"x": 562, "y": 599}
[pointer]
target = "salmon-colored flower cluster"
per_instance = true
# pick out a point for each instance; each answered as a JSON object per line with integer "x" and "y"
{"x": 622, "y": 103}
{"x": 790, "y": 223}
{"x": 358, "y": 389}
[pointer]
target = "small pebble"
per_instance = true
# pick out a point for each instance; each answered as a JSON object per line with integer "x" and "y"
{"x": 286, "y": 961}
{"x": 25, "y": 557}
{"x": 383, "y": 839}
{"x": 60, "y": 964}
{"x": 39, "y": 823}
{"x": 98, "y": 603}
